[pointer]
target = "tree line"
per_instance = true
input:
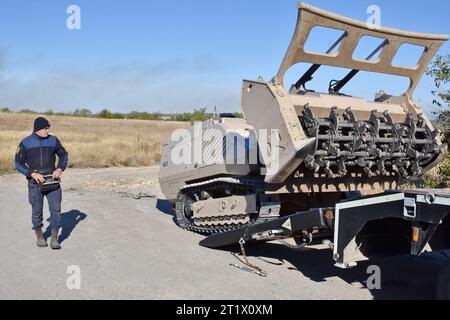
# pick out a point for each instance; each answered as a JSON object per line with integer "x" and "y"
{"x": 197, "y": 115}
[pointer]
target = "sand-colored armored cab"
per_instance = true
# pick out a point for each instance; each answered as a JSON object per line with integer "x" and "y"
{"x": 297, "y": 148}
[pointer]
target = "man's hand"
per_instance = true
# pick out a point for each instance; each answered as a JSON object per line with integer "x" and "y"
{"x": 57, "y": 173}
{"x": 38, "y": 177}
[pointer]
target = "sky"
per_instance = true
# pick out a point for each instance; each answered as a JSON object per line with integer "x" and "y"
{"x": 173, "y": 56}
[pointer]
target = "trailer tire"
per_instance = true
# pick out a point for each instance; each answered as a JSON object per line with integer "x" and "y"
{"x": 443, "y": 284}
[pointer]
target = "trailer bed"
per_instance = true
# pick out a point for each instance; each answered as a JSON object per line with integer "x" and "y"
{"x": 423, "y": 209}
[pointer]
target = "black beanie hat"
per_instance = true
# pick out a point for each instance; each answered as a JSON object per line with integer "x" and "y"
{"x": 41, "y": 123}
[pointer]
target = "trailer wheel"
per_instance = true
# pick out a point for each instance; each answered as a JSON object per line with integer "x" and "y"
{"x": 443, "y": 284}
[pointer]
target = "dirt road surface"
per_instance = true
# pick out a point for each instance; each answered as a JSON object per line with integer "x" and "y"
{"x": 120, "y": 235}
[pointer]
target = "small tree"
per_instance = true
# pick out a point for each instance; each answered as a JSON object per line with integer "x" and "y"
{"x": 200, "y": 115}
{"x": 105, "y": 114}
{"x": 440, "y": 71}
{"x": 155, "y": 116}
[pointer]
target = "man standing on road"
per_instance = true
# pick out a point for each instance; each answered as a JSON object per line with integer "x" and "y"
{"x": 35, "y": 158}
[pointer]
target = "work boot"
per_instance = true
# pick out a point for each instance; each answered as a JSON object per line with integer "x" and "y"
{"x": 54, "y": 244}
{"x": 40, "y": 239}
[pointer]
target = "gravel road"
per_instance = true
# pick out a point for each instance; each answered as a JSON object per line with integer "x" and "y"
{"x": 118, "y": 234}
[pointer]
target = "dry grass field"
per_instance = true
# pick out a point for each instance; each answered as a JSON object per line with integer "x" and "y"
{"x": 91, "y": 143}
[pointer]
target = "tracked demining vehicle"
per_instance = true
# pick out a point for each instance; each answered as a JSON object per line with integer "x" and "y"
{"x": 299, "y": 158}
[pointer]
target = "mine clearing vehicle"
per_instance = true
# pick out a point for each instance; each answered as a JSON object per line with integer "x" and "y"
{"x": 345, "y": 165}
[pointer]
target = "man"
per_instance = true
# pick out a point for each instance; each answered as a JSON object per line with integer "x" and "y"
{"x": 36, "y": 157}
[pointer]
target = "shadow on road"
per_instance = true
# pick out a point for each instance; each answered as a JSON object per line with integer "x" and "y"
{"x": 69, "y": 220}
{"x": 402, "y": 277}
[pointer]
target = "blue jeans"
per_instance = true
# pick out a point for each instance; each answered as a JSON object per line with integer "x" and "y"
{"x": 36, "y": 199}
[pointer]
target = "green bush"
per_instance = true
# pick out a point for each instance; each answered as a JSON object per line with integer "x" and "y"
{"x": 82, "y": 113}
{"x": 431, "y": 182}
{"x": 197, "y": 115}
{"x": 117, "y": 116}
{"x": 27, "y": 111}
{"x": 444, "y": 168}
{"x": 143, "y": 115}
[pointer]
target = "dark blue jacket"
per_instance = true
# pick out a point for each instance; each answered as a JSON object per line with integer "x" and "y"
{"x": 36, "y": 154}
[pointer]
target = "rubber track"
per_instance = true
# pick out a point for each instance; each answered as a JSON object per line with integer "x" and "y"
{"x": 208, "y": 185}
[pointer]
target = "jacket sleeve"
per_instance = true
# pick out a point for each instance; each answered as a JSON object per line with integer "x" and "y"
{"x": 63, "y": 156}
{"x": 21, "y": 165}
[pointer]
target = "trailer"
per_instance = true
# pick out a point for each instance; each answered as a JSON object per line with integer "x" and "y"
{"x": 389, "y": 223}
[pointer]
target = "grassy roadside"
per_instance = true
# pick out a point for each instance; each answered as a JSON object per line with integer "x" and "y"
{"x": 91, "y": 142}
